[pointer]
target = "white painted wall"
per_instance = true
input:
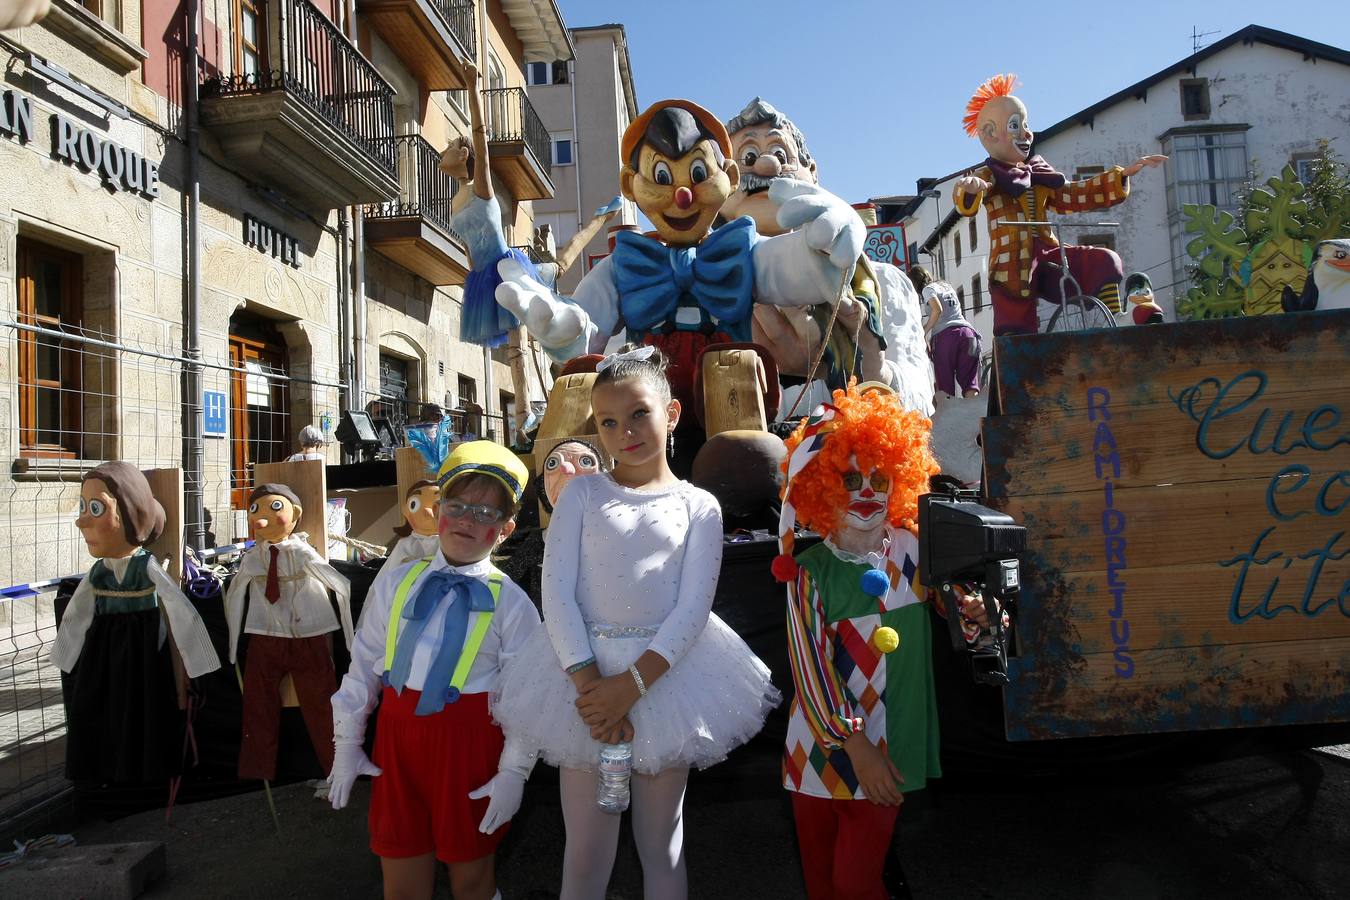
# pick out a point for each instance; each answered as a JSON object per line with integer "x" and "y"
{"x": 1288, "y": 102}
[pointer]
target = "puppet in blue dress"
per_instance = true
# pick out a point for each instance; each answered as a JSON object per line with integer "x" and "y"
{"x": 479, "y": 223}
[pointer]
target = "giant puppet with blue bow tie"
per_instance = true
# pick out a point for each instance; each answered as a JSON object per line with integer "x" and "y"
{"x": 690, "y": 286}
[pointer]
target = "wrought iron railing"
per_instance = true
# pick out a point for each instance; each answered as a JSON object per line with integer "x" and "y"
{"x": 531, "y": 253}
{"x": 424, "y": 190}
{"x": 511, "y": 117}
{"x": 458, "y": 16}
{"x": 320, "y": 65}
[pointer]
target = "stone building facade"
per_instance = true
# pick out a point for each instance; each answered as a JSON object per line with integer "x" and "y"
{"x": 327, "y": 277}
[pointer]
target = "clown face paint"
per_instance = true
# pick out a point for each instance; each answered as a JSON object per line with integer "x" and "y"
{"x": 420, "y": 510}
{"x": 1004, "y": 132}
{"x": 867, "y": 498}
{"x": 566, "y": 461}
{"x": 100, "y": 522}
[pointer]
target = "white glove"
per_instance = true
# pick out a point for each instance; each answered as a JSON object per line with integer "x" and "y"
{"x": 552, "y": 322}
{"x": 349, "y": 763}
{"x": 506, "y": 788}
{"x": 832, "y": 226}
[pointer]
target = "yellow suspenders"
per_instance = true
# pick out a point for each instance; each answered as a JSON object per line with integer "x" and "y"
{"x": 472, "y": 643}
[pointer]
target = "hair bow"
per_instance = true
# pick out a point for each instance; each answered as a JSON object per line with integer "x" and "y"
{"x": 639, "y": 354}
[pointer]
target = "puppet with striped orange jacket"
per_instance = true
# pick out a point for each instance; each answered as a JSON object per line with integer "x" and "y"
{"x": 1015, "y": 186}
{"x": 863, "y": 725}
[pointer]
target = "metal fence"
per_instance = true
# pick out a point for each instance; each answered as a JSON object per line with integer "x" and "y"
{"x": 82, "y": 397}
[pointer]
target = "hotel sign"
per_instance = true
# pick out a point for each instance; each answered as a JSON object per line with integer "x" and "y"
{"x": 271, "y": 241}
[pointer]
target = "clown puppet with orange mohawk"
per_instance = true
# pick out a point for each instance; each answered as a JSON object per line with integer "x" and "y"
{"x": 1015, "y": 186}
{"x": 863, "y": 727}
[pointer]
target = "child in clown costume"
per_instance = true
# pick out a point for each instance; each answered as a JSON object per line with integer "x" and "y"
{"x": 429, "y": 650}
{"x": 863, "y": 726}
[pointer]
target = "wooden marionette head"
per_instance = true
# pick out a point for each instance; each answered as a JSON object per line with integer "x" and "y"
{"x": 999, "y": 120}
{"x": 676, "y": 169}
{"x": 564, "y": 462}
{"x": 118, "y": 513}
{"x": 273, "y": 512}
{"x": 420, "y": 509}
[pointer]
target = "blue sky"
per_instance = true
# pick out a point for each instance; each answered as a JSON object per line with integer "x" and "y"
{"x": 879, "y": 87}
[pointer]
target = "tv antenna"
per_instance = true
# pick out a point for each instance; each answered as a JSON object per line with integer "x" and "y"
{"x": 1197, "y": 39}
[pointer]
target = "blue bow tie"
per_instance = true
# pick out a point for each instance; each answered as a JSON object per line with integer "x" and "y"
{"x": 469, "y": 595}
{"x": 718, "y": 274}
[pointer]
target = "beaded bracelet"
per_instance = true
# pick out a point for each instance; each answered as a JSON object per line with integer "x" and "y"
{"x": 572, "y": 670}
{"x": 637, "y": 679}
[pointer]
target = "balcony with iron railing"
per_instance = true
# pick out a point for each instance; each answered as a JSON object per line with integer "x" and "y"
{"x": 518, "y": 143}
{"x": 308, "y": 114}
{"x": 433, "y": 38}
{"x": 413, "y": 229}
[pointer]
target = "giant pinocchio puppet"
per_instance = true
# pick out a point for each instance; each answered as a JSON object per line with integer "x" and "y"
{"x": 690, "y": 286}
{"x": 123, "y": 723}
{"x": 863, "y": 726}
{"x": 1015, "y": 186}
{"x": 284, "y": 583}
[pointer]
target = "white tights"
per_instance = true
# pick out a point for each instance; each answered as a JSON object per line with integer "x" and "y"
{"x": 593, "y": 836}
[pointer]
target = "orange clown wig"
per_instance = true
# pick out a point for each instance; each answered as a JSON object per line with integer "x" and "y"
{"x": 998, "y": 86}
{"x": 868, "y": 424}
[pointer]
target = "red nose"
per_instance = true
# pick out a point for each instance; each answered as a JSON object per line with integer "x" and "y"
{"x": 684, "y": 198}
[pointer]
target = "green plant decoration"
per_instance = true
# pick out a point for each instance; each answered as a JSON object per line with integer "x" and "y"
{"x": 1242, "y": 267}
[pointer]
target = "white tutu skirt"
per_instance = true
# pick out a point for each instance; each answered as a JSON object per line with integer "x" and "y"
{"x": 712, "y": 700}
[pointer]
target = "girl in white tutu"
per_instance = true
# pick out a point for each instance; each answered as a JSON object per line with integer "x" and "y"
{"x": 632, "y": 651}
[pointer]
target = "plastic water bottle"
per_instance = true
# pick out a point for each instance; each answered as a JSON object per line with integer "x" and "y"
{"x": 616, "y": 767}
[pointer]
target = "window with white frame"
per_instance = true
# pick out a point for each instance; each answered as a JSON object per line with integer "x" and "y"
{"x": 1205, "y": 168}
{"x": 562, "y": 148}
{"x": 538, "y": 73}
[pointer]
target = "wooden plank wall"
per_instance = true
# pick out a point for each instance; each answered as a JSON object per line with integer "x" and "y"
{"x": 1187, "y": 494}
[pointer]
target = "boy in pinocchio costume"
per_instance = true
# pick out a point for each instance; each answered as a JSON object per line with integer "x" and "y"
{"x": 1015, "y": 186}
{"x": 429, "y": 652}
{"x": 863, "y": 727}
{"x": 285, "y": 583}
{"x": 690, "y": 285}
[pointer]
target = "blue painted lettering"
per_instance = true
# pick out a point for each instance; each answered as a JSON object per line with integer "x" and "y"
{"x": 1279, "y": 485}
{"x": 1098, "y": 399}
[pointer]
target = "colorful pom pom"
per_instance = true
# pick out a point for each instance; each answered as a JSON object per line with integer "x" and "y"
{"x": 875, "y": 583}
{"x": 784, "y": 568}
{"x": 886, "y": 639}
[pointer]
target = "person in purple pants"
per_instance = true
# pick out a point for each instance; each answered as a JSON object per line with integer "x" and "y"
{"x": 955, "y": 346}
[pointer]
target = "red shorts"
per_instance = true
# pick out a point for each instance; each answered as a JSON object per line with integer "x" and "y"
{"x": 420, "y": 804}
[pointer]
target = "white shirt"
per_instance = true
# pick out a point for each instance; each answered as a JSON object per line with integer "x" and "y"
{"x": 619, "y": 556}
{"x": 188, "y": 629}
{"x": 512, "y": 624}
{"x": 304, "y": 581}
{"x": 304, "y": 455}
{"x": 408, "y": 549}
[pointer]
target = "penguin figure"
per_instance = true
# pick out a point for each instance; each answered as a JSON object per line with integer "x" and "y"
{"x": 1139, "y": 292}
{"x": 1328, "y": 284}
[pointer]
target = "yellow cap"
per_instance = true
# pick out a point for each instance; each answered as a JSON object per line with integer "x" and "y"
{"x": 886, "y": 639}
{"x": 487, "y": 458}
